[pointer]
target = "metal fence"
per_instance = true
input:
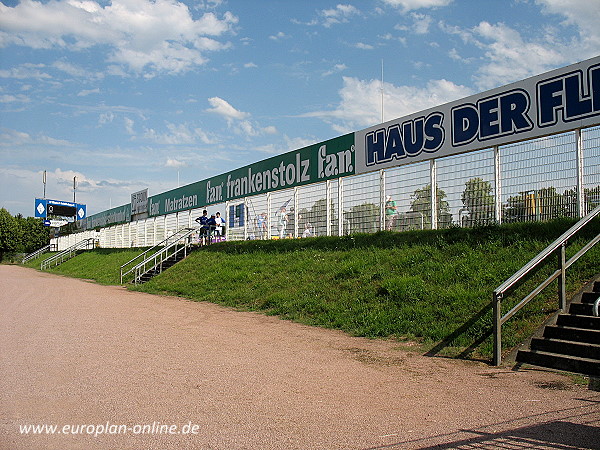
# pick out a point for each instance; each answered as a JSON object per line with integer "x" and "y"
{"x": 535, "y": 180}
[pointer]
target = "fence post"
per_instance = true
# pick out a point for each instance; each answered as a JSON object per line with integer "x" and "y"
{"x": 562, "y": 279}
{"x": 497, "y": 311}
{"x": 382, "y": 195}
{"x": 497, "y": 185}
{"x": 433, "y": 180}
{"x": 581, "y": 210}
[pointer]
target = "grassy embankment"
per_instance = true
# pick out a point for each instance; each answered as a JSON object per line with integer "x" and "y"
{"x": 433, "y": 287}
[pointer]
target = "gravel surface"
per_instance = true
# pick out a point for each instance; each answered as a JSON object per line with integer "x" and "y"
{"x": 126, "y": 366}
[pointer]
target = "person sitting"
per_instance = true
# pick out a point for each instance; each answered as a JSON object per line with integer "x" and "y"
{"x": 212, "y": 225}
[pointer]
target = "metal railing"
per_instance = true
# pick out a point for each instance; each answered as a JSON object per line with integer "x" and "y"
{"x": 175, "y": 237}
{"x": 68, "y": 253}
{"x": 558, "y": 245}
{"x": 180, "y": 244}
{"x": 37, "y": 253}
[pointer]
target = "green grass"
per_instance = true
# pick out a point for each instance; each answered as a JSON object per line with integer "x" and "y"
{"x": 101, "y": 265}
{"x": 433, "y": 287}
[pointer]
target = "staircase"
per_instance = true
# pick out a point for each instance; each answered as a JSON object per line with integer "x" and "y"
{"x": 169, "y": 262}
{"x": 573, "y": 343}
{"x": 160, "y": 257}
{"x": 38, "y": 252}
{"x": 73, "y": 250}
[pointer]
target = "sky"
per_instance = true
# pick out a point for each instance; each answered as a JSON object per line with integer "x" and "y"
{"x": 126, "y": 95}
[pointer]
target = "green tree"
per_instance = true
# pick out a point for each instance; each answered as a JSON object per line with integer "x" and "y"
{"x": 21, "y": 235}
{"x": 9, "y": 240}
{"x": 34, "y": 235}
{"x": 317, "y": 217}
{"x": 478, "y": 200}
{"x": 362, "y": 218}
{"x": 421, "y": 204}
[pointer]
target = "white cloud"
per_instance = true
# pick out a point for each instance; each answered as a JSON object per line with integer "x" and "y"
{"x": 339, "y": 14}
{"x": 409, "y": 5}
{"x": 238, "y": 121}
{"x": 363, "y": 46}
{"x": 223, "y": 108}
{"x": 177, "y": 134}
{"x": 76, "y": 71}
{"x": 171, "y": 162}
{"x": 86, "y": 92}
{"x": 360, "y": 102}
{"x": 105, "y": 118}
{"x": 25, "y": 71}
{"x": 512, "y": 58}
{"x": 278, "y": 36}
{"x": 9, "y": 138}
{"x": 335, "y": 69}
{"x": 508, "y": 55}
{"x": 584, "y": 15}
{"x": 142, "y": 35}
{"x": 129, "y": 123}
{"x": 19, "y": 98}
{"x": 422, "y": 23}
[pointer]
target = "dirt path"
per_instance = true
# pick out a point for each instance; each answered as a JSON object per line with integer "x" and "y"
{"x": 82, "y": 357}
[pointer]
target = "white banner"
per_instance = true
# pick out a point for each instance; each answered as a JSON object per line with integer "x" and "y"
{"x": 557, "y": 101}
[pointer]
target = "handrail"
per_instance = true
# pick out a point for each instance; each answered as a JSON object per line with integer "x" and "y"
{"x": 161, "y": 255}
{"x": 67, "y": 253}
{"x": 560, "y": 273}
{"x": 36, "y": 253}
{"x": 162, "y": 243}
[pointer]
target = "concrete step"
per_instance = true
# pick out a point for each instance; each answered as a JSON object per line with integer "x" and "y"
{"x": 584, "y": 309}
{"x": 574, "y": 364}
{"x": 590, "y": 297}
{"x": 572, "y": 334}
{"x": 574, "y": 321}
{"x": 570, "y": 348}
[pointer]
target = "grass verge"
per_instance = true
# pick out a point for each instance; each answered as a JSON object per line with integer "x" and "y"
{"x": 433, "y": 287}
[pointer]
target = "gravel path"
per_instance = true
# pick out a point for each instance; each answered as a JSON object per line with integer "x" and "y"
{"x": 127, "y": 366}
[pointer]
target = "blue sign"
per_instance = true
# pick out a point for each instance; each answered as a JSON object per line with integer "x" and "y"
{"x": 46, "y": 223}
{"x": 45, "y": 207}
{"x": 81, "y": 211}
{"x": 40, "y": 208}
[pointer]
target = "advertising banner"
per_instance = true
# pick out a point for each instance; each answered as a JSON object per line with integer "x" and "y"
{"x": 139, "y": 202}
{"x": 120, "y": 214}
{"x": 318, "y": 162}
{"x": 554, "y": 102}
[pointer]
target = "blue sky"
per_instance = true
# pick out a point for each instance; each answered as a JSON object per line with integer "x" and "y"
{"x": 134, "y": 94}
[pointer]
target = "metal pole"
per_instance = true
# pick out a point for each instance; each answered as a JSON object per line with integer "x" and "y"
{"x": 580, "y": 193}
{"x": 433, "y": 179}
{"x": 340, "y": 207}
{"x": 328, "y": 207}
{"x": 497, "y": 310}
{"x": 562, "y": 279}
{"x": 497, "y": 185}
{"x": 382, "y": 194}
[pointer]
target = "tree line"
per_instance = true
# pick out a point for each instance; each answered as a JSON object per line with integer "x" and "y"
{"x": 21, "y": 235}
